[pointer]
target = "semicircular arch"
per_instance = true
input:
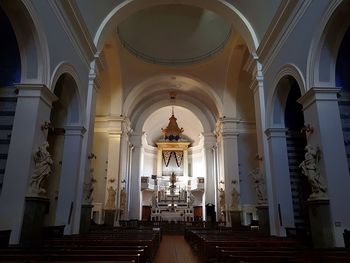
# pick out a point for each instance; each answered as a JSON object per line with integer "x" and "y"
{"x": 221, "y": 7}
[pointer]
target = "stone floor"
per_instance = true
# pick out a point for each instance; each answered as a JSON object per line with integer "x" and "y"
{"x": 175, "y": 249}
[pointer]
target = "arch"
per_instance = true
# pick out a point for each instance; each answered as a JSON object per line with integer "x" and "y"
{"x": 325, "y": 44}
{"x": 144, "y": 90}
{"x": 139, "y": 122}
{"x": 35, "y": 66}
{"x": 62, "y": 70}
{"x": 221, "y": 7}
{"x": 277, "y": 103}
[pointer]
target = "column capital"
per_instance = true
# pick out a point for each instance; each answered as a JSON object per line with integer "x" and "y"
{"x": 209, "y": 140}
{"x": 74, "y": 130}
{"x": 276, "y": 132}
{"x": 112, "y": 124}
{"x": 36, "y": 91}
{"x": 227, "y": 127}
{"x": 318, "y": 94}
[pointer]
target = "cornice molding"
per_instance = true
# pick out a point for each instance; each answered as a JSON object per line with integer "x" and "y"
{"x": 282, "y": 25}
{"x": 73, "y": 24}
{"x": 318, "y": 94}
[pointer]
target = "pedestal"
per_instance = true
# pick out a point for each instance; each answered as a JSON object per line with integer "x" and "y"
{"x": 320, "y": 223}
{"x": 33, "y": 219}
{"x": 263, "y": 217}
{"x": 235, "y": 218}
{"x": 85, "y": 218}
{"x": 109, "y": 217}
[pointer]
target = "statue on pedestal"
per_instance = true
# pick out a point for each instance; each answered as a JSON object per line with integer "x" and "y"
{"x": 311, "y": 170}
{"x": 222, "y": 201}
{"x": 259, "y": 184}
{"x": 110, "y": 204}
{"x": 43, "y": 163}
{"x": 234, "y": 199}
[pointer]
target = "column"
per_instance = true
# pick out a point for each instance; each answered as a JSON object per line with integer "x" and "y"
{"x": 280, "y": 179}
{"x": 67, "y": 208}
{"x": 210, "y": 185}
{"x": 33, "y": 109}
{"x": 84, "y": 175}
{"x": 263, "y": 150}
{"x": 321, "y": 111}
{"x": 113, "y": 161}
{"x": 135, "y": 177}
{"x": 229, "y": 145}
{"x": 123, "y": 170}
{"x": 112, "y": 177}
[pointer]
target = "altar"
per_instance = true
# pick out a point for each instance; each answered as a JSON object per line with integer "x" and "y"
{"x": 172, "y": 194}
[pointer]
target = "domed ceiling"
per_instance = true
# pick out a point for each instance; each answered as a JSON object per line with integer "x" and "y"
{"x": 174, "y": 34}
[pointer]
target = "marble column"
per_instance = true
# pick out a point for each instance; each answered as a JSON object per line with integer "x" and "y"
{"x": 135, "y": 177}
{"x": 321, "y": 112}
{"x": 66, "y": 209}
{"x": 281, "y": 185}
{"x": 32, "y": 110}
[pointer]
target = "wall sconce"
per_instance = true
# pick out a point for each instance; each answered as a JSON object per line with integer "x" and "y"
{"x": 92, "y": 156}
{"x": 258, "y": 157}
{"x": 308, "y": 129}
{"x": 46, "y": 125}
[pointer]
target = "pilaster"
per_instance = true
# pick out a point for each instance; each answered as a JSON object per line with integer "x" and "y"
{"x": 32, "y": 110}
{"x": 281, "y": 185}
{"x": 68, "y": 209}
{"x": 321, "y": 112}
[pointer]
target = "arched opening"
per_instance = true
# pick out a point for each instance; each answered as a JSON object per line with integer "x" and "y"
{"x": 343, "y": 82}
{"x": 65, "y": 116}
{"x": 132, "y": 89}
{"x": 162, "y": 157}
{"x": 288, "y": 114}
{"x": 10, "y": 73}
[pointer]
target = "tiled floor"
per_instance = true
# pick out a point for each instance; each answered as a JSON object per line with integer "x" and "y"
{"x": 174, "y": 249}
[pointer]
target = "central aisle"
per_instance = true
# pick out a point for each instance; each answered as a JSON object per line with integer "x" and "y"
{"x": 175, "y": 249}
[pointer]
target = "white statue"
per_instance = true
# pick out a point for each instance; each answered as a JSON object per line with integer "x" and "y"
{"x": 110, "y": 204}
{"x": 234, "y": 199}
{"x": 87, "y": 192}
{"x": 222, "y": 201}
{"x": 311, "y": 170}
{"x": 259, "y": 184}
{"x": 43, "y": 163}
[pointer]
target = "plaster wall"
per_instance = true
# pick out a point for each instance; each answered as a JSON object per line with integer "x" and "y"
{"x": 58, "y": 38}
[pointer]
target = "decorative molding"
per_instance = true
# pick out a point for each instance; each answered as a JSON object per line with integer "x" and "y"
{"x": 317, "y": 42}
{"x": 276, "y": 132}
{"x": 36, "y": 91}
{"x": 111, "y": 124}
{"x": 73, "y": 24}
{"x": 288, "y": 15}
{"x": 318, "y": 94}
